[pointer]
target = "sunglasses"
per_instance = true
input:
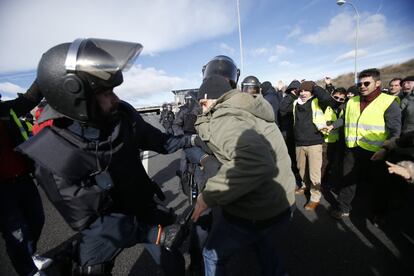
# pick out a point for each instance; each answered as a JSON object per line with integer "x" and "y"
{"x": 339, "y": 99}
{"x": 365, "y": 83}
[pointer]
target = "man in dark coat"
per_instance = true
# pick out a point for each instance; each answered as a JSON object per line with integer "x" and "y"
{"x": 87, "y": 161}
{"x": 274, "y": 98}
{"x": 21, "y": 210}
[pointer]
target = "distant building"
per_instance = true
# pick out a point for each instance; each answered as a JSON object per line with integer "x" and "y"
{"x": 180, "y": 94}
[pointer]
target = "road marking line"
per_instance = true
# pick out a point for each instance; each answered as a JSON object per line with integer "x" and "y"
{"x": 145, "y": 155}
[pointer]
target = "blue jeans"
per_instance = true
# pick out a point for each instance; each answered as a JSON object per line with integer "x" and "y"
{"x": 226, "y": 238}
{"x": 21, "y": 222}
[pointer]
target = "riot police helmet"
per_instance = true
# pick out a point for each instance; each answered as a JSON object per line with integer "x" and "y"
{"x": 223, "y": 66}
{"x": 251, "y": 85}
{"x": 69, "y": 74}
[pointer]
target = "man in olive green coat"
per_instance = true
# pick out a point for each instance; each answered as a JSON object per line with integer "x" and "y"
{"x": 254, "y": 186}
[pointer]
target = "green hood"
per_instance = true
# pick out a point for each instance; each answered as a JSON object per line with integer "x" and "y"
{"x": 235, "y": 99}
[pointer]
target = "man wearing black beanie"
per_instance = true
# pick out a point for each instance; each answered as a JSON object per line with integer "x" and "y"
{"x": 254, "y": 187}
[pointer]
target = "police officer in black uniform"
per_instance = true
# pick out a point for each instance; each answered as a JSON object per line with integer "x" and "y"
{"x": 167, "y": 118}
{"x": 87, "y": 162}
{"x": 251, "y": 85}
{"x": 187, "y": 115}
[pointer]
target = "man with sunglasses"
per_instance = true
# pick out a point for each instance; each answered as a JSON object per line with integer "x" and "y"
{"x": 369, "y": 120}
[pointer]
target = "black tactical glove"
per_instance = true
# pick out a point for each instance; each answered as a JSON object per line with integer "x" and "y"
{"x": 196, "y": 141}
{"x": 33, "y": 94}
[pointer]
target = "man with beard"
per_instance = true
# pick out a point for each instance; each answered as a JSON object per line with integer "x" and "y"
{"x": 87, "y": 161}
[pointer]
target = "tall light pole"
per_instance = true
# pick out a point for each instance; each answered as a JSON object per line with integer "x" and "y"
{"x": 340, "y": 3}
{"x": 240, "y": 38}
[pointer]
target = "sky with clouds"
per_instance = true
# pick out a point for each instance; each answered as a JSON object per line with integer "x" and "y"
{"x": 282, "y": 40}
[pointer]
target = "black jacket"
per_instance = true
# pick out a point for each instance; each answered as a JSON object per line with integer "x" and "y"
{"x": 69, "y": 155}
{"x": 305, "y": 132}
{"x": 185, "y": 118}
{"x": 407, "y": 112}
{"x": 21, "y": 106}
{"x": 274, "y": 98}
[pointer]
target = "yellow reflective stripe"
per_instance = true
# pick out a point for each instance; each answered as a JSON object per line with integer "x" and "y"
{"x": 365, "y": 126}
{"x": 19, "y": 124}
{"x": 370, "y": 142}
{"x": 29, "y": 126}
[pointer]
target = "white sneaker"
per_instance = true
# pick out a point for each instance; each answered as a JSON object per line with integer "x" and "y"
{"x": 41, "y": 262}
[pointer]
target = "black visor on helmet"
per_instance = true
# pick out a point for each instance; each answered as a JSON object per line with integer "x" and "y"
{"x": 252, "y": 89}
{"x": 222, "y": 66}
{"x": 102, "y": 60}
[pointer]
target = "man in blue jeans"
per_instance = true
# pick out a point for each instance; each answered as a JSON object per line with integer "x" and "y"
{"x": 254, "y": 187}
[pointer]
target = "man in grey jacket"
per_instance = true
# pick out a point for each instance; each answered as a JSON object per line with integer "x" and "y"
{"x": 254, "y": 186}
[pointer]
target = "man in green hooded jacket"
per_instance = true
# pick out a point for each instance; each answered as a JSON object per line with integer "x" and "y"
{"x": 254, "y": 186}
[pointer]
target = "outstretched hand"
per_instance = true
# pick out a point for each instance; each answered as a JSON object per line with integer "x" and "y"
{"x": 398, "y": 170}
{"x": 327, "y": 129}
{"x": 199, "y": 208}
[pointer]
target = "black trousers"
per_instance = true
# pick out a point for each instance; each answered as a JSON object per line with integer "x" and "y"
{"x": 21, "y": 222}
{"x": 358, "y": 169}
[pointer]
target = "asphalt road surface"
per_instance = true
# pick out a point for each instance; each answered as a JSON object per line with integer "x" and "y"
{"x": 313, "y": 243}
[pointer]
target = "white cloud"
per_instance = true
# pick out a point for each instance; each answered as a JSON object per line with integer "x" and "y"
{"x": 141, "y": 87}
{"x": 9, "y": 90}
{"x": 341, "y": 29}
{"x": 296, "y": 30}
{"x": 285, "y": 63}
{"x": 273, "y": 53}
{"x": 28, "y": 29}
{"x": 280, "y": 49}
{"x": 226, "y": 48}
{"x": 272, "y": 59}
{"x": 351, "y": 55}
{"x": 260, "y": 51}
{"x": 397, "y": 49}
{"x": 149, "y": 86}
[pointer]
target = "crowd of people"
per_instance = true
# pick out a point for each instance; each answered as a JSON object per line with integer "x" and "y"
{"x": 255, "y": 148}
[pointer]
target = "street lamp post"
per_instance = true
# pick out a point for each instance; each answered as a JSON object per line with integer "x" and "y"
{"x": 340, "y": 3}
{"x": 240, "y": 37}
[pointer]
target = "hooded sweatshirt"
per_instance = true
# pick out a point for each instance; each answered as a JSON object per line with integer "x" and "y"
{"x": 255, "y": 180}
{"x": 274, "y": 98}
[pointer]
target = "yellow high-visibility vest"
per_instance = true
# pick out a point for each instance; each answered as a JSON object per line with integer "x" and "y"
{"x": 29, "y": 126}
{"x": 332, "y": 136}
{"x": 366, "y": 129}
{"x": 318, "y": 118}
{"x": 16, "y": 120}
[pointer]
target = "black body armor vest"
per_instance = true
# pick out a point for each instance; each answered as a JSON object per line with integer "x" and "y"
{"x": 67, "y": 166}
